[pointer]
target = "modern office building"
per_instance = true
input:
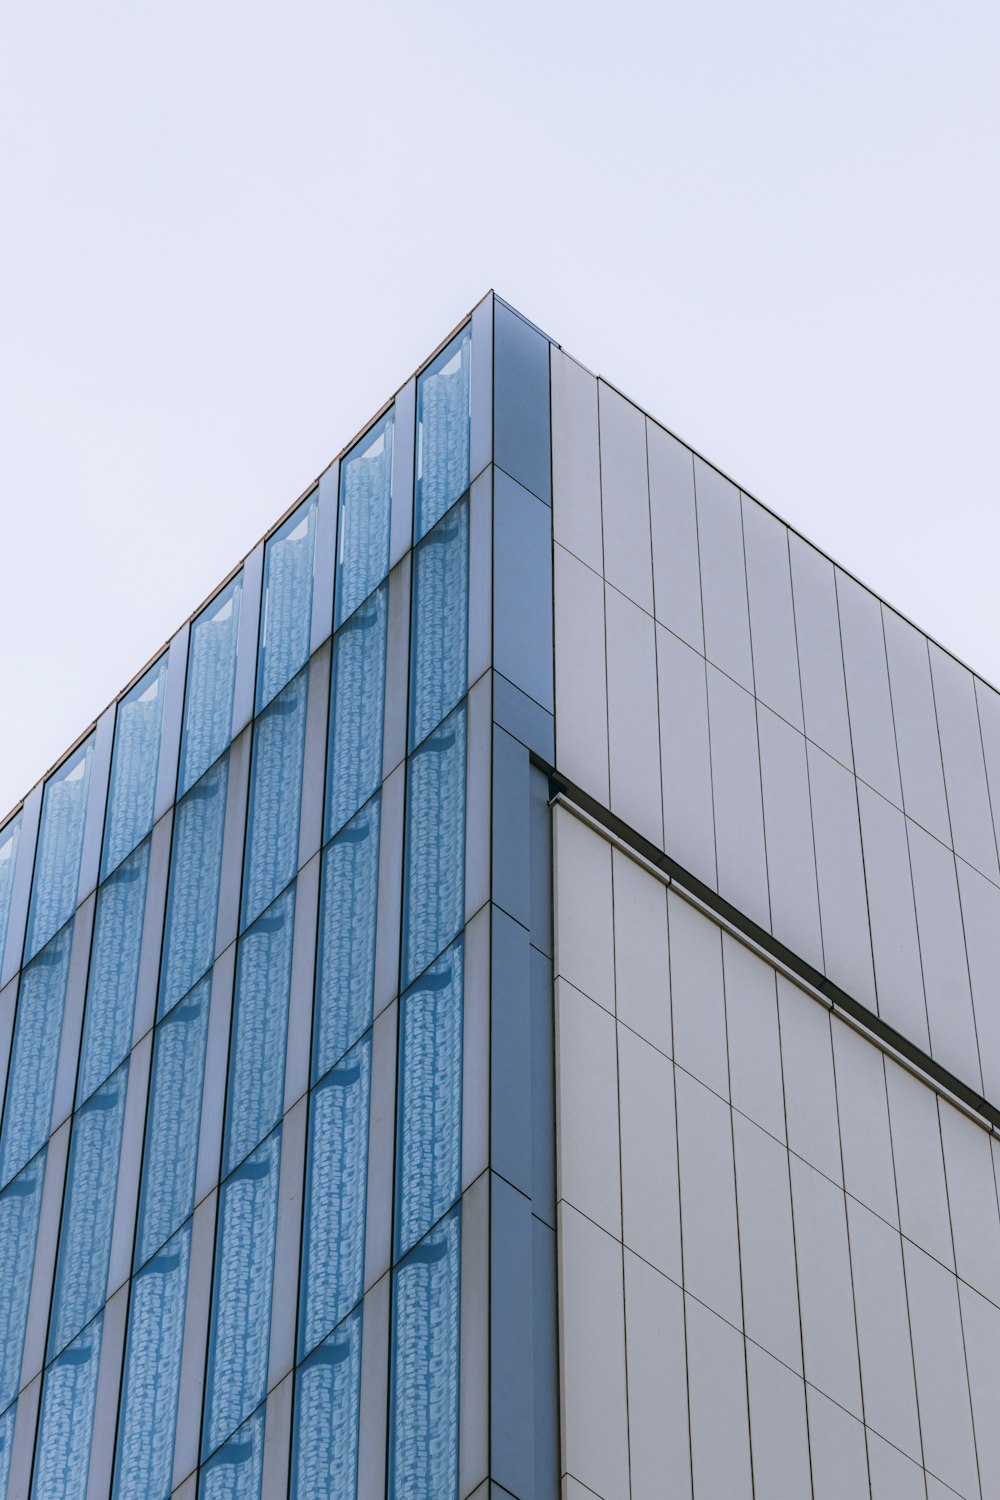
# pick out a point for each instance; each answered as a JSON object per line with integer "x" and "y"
{"x": 507, "y": 1003}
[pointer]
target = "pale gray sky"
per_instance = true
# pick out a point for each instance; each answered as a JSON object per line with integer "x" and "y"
{"x": 230, "y": 230}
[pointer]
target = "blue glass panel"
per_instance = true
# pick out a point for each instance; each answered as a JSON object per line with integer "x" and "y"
{"x": 173, "y": 1120}
{"x": 423, "y": 1426}
{"x": 429, "y": 1116}
{"x": 259, "y": 1030}
{"x": 144, "y": 1461}
{"x": 357, "y": 702}
{"x": 443, "y": 431}
{"x": 9, "y": 838}
{"x": 193, "y": 893}
{"x": 365, "y": 508}
{"x": 31, "y": 1081}
{"x": 336, "y": 1183}
{"x": 287, "y": 614}
{"x": 211, "y": 682}
{"x": 114, "y": 972}
{"x": 236, "y": 1471}
{"x": 439, "y": 650}
{"x": 134, "y": 765}
{"x": 20, "y": 1204}
{"x": 66, "y": 1423}
{"x": 6, "y": 1443}
{"x": 88, "y": 1211}
{"x": 327, "y": 1406}
{"x": 345, "y": 957}
{"x": 60, "y": 848}
{"x": 434, "y": 881}
{"x": 272, "y": 845}
{"x": 241, "y": 1294}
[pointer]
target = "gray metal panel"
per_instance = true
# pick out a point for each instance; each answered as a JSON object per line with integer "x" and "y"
{"x": 628, "y": 548}
{"x": 97, "y": 797}
{"x": 314, "y": 757}
{"x": 72, "y": 1024}
{"x": 688, "y": 813}
{"x": 481, "y": 414}
{"x": 674, "y": 524}
{"x": 199, "y": 1300}
{"x": 821, "y": 659}
{"x": 540, "y": 845}
{"x": 883, "y": 1330}
{"x": 915, "y": 721}
{"x": 396, "y": 667}
{"x": 825, "y": 1296}
{"x": 325, "y": 563}
{"x": 287, "y": 1245}
{"x": 964, "y": 765}
{"x": 543, "y": 1105}
{"x": 920, "y": 1181}
{"x": 129, "y": 1166}
{"x": 865, "y": 1138}
{"x": 374, "y": 1390}
{"x": 942, "y": 1381}
{"x": 981, "y": 921}
{"x": 546, "y": 1359}
{"x": 708, "y": 1199}
{"x": 972, "y": 1200}
{"x": 772, "y": 620}
{"x": 581, "y": 685}
{"x": 476, "y": 1049}
{"x": 840, "y": 872}
{"x": 474, "y": 1335}
{"x": 481, "y": 581}
{"x": 659, "y": 1441}
{"x": 697, "y": 996}
{"x": 478, "y": 799}
{"x": 723, "y": 574}
{"x": 788, "y": 833}
{"x": 739, "y": 814}
{"x": 754, "y": 1037}
{"x": 403, "y": 447}
{"x": 246, "y": 646}
{"x": 642, "y": 999}
{"x": 778, "y": 1429}
{"x": 171, "y": 723}
{"x": 942, "y": 955}
{"x": 981, "y": 1326}
{"x": 21, "y": 892}
{"x": 233, "y": 837}
{"x": 988, "y": 703}
{"x": 810, "y": 1090}
{"x": 381, "y": 1142}
{"x": 512, "y": 1338}
{"x": 867, "y": 674}
{"x": 278, "y": 1440}
{"x": 511, "y": 827}
{"x": 767, "y": 1246}
{"x": 717, "y": 1391}
{"x": 390, "y": 888}
{"x": 633, "y": 717}
{"x": 521, "y": 437}
{"x": 300, "y": 1003}
{"x": 576, "y": 461}
{"x": 651, "y": 1218}
{"x": 102, "y": 1447}
{"x": 525, "y": 719}
{"x": 898, "y": 977}
{"x": 522, "y": 580}
{"x": 152, "y": 927}
{"x": 216, "y": 1067}
{"x": 49, "y": 1216}
{"x": 839, "y": 1455}
{"x": 510, "y": 1030}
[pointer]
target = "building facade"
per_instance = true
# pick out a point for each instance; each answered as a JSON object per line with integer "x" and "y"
{"x": 507, "y": 1003}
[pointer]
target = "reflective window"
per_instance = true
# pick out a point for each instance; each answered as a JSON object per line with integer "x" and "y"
{"x": 443, "y": 432}
{"x": 272, "y": 843}
{"x": 423, "y": 1420}
{"x": 327, "y": 1406}
{"x": 357, "y": 700}
{"x": 60, "y": 848}
{"x": 88, "y": 1211}
{"x": 429, "y": 1116}
{"x": 6, "y": 1443}
{"x": 134, "y": 765}
{"x": 9, "y": 838}
{"x": 20, "y": 1203}
{"x": 235, "y": 1472}
{"x": 259, "y": 1030}
{"x": 438, "y": 650}
{"x": 287, "y": 614}
{"x": 433, "y": 889}
{"x": 114, "y": 972}
{"x": 173, "y": 1120}
{"x": 345, "y": 956}
{"x": 240, "y": 1331}
{"x": 365, "y": 507}
{"x": 35, "y": 1053}
{"x": 211, "y": 682}
{"x": 66, "y": 1423}
{"x": 144, "y": 1460}
{"x": 193, "y": 892}
{"x": 336, "y": 1180}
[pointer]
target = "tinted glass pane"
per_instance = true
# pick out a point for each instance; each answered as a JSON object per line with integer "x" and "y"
{"x": 35, "y": 1053}
{"x": 241, "y": 1294}
{"x": 170, "y": 1156}
{"x": 365, "y": 504}
{"x": 429, "y": 1117}
{"x": 345, "y": 957}
{"x": 60, "y": 847}
{"x": 272, "y": 844}
{"x": 327, "y": 1403}
{"x": 9, "y": 838}
{"x": 6, "y": 1442}
{"x": 134, "y": 766}
{"x": 435, "y": 845}
{"x": 66, "y": 1423}
{"x": 438, "y": 653}
{"x": 443, "y": 431}
{"x": 287, "y": 612}
{"x": 193, "y": 893}
{"x": 423, "y": 1432}
{"x": 259, "y": 1030}
{"x": 19, "y": 1208}
{"x": 236, "y": 1470}
{"x": 88, "y": 1211}
{"x": 144, "y": 1459}
{"x": 336, "y": 1181}
{"x": 357, "y": 699}
{"x": 211, "y": 681}
{"x": 114, "y": 972}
